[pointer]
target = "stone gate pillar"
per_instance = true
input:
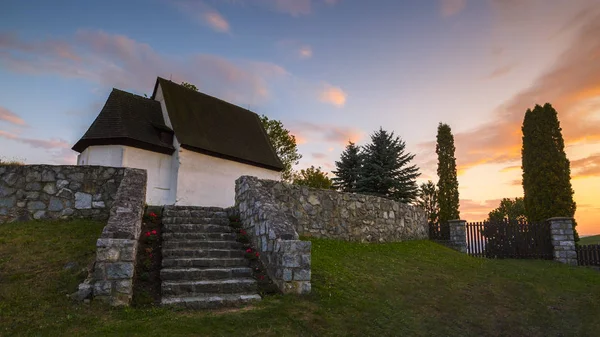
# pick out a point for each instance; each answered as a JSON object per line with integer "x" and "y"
{"x": 458, "y": 236}
{"x": 563, "y": 240}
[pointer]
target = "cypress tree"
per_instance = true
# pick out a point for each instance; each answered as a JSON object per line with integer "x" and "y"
{"x": 347, "y": 169}
{"x": 385, "y": 171}
{"x": 447, "y": 182}
{"x": 546, "y": 169}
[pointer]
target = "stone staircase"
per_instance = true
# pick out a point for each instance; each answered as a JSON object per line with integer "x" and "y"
{"x": 203, "y": 265}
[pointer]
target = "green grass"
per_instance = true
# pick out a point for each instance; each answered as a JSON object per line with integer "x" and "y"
{"x": 415, "y": 288}
{"x": 590, "y": 240}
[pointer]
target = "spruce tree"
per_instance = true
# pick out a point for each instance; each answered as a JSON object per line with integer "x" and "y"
{"x": 546, "y": 169}
{"x": 386, "y": 171}
{"x": 447, "y": 182}
{"x": 347, "y": 169}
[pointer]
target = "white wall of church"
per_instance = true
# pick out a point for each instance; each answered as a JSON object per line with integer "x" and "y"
{"x": 159, "y": 168}
{"x": 103, "y": 155}
{"x": 210, "y": 181}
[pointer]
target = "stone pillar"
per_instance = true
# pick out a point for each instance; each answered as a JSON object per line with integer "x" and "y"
{"x": 563, "y": 240}
{"x": 458, "y": 236}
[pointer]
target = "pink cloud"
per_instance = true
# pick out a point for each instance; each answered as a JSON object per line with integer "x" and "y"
{"x": 586, "y": 167}
{"x": 332, "y": 95}
{"x": 47, "y": 144}
{"x": 216, "y": 21}
{"x": 500, "y": 71}
{"x": 318, "y": 155}
{"x": 305, "y": 52}
{"x": 10, "y": 117}
{"x": 452, "y": 7}
{"x": 118, "y": 61}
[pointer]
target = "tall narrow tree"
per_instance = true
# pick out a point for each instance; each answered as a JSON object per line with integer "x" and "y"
{"x": 428, "y": 200}
{"x": 386, "y": 171}
{"x": 447, "y": 182}
{"x": 348, "y": 169}
{"x": 546, "y": 169}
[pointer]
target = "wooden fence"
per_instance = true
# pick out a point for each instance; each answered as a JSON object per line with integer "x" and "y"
{"x": 439, "y": 232}
{"x": 588, "y": 255}
{"x": 513, "y": 240}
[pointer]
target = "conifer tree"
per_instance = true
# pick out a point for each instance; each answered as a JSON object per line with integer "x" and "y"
{"x": 348, "y": 169}
{"x": 546, "y": 169}
{"x": 428, "y": 200}
{"x": 448, "y": 182}
{"x": 386, "y": 171}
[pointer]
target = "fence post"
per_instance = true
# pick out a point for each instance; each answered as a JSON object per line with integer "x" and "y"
{"x": 458, "y": 235}
{"x": 561, "y": 232}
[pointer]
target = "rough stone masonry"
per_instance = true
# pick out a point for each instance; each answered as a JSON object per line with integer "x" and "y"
{"x": 57, "y": 192}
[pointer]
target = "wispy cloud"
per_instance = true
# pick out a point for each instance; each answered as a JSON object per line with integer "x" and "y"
{"x": 586, "y": 167}
{"x": 116, "y": 60}
{"x": 572, "y": 85}
{"x": 291, "y": 7}
{"x": 319, "y": 155}
{"x": 203, "y": 13}
{"x": 325, "y": 132}
{"x": 47, "y": 144}
{"x": 305, "y": 52}
{"x": 452, "y": 7}
{"x": 11, "y": 117}
{"x": 472, "y": 210}
{"x": 332, "y": 95}
{"x": 500, "y": 71}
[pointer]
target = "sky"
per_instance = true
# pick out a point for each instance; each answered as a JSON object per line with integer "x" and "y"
{"x": 332, "y": 71}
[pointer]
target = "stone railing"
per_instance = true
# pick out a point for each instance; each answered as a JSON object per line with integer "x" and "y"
{"x": 286, "y": 258}
{"x": 57, "y": 192}
{"x": 112, "y": 277}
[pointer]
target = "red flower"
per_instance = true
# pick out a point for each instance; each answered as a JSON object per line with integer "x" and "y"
{"x": 150, "y": 255}
{"x": 154, "y": 232}
{"x": 152, "y": 214}
{"x": 261, "y": 277}
{"x": 147, "y": 233}
{"x": 249, "y": 250}
{"x": 257, "y": 254}
{"x": 243, "y": 232}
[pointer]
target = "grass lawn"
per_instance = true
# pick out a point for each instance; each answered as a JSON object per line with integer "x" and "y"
{"x": 590, "y": 240}
{"x": 415, "y": 288}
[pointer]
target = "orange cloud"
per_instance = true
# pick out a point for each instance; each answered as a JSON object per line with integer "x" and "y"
{"x": 472, "y": 210}
{"x": 511, "y": 168}
{"x": 328, "y": 133}
{"x": 216, "y": 21}
{"x": 10, "y": 117}
{"x": 452, "y": 7}
{"x": 586, "y": 167}
{"x": 332, "y": 95}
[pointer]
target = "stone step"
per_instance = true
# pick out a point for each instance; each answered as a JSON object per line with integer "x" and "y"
{"x": 195, "y": 208}
{"x": 224, "y": 286}
{"x": 199, "y": 236}
{"x": 210, "y": 301}
{"x": 193, "y": 252}
{"x": 204, "y": 262}
{"x": 195, "y": 213}
{"x": 196, "y": 228}
{"x": 195, "y": 220}
{"x": 180, "y": 274}
{"x": 201, "y": 244}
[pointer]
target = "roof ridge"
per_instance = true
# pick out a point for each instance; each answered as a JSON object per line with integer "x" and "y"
{"x": 211, "y": 96}
{"x": 132, "y": 94}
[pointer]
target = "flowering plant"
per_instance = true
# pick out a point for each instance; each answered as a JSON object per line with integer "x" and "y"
{"x": 151, "y": 236}
{"x": 242, "y": 236}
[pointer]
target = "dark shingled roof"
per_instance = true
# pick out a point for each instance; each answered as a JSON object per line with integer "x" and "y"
{"x": 128, "y": 119}
{"x": 208, "y": 125}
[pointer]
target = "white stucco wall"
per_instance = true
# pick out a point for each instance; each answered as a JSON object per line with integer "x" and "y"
{"x": 104, "y": 155}
{"x": 175, "y": 157}
{"x": 210, "y": 181}
{"x": 159, "y": 168}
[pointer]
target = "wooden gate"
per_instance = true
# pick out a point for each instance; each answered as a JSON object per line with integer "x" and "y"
{"x": 509, "y": 240}
{"x": 439, "y": 232}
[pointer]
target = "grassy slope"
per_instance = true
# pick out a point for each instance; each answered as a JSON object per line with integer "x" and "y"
{"x": 415, "y": 288}
{"x": 590, "y": 240}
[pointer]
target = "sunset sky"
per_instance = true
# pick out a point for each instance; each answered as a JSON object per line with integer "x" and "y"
{"x": 330, "y": 70}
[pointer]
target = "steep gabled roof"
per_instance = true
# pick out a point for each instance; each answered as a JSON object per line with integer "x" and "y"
{"x": 206, "y": 124}
{"x": 128, "y": 119}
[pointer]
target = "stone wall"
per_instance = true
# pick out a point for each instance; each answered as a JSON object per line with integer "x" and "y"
{"x": 286, "y": 258}
{"x": 53, "y": 192}
{"x": 112, "y": 277}
{"x": 346, "y": 216}
{"x": 563, "y": 240}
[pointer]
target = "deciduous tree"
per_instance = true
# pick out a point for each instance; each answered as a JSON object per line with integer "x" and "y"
{"x": 284, "y": 144}
{"x": 312, "y": 177}
{"x": 428, "y": 200}
{"x": 509, "y": 210}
